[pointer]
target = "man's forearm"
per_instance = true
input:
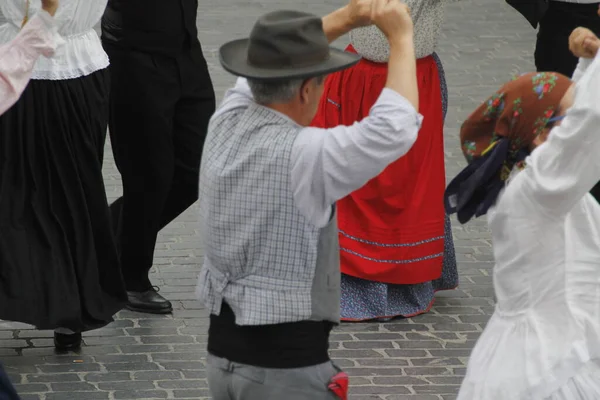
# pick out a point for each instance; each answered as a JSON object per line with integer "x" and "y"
{"x": 337, "y": 24}
{"x": 402, "y": 70}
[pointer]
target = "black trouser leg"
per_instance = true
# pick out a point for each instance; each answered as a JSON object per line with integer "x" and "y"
{"x": 552, "y": 47}
{"x": 146, "y": 98}
{"x": 192, "y": 113}
{"x": 144, "y": 92}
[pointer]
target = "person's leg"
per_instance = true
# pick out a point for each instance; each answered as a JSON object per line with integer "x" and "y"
{"x": 234, "y": 381}
{"x": 219, "y": 378}
{"x": 552, "y": 48}
{"x": 145, "y": 89}
{"x": 192, "y": 114}
{"x": 308, "y": 383}
{"x": 552, "y": 51}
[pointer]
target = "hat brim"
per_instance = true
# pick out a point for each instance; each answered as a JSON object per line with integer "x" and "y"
{"x": 234, "y": 58}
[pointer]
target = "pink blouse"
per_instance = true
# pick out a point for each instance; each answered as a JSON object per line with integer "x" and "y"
{"x": 18, "y": 57}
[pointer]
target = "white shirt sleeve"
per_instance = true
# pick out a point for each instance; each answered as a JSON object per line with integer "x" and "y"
{"x": 564, "y": 168}
{"x": 329, "y": 164}
{"x": 582, "y": 66}
{"x": 18, "y": 57}
{"x": 238, "y": 96}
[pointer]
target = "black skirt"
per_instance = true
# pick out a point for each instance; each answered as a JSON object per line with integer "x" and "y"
{"x": 58, "y": 259}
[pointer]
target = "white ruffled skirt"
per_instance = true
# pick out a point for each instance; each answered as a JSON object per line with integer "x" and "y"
{"x": 585, "y": 385}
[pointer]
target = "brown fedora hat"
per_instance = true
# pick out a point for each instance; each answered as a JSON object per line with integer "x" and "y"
{"x": 284, "y": 45}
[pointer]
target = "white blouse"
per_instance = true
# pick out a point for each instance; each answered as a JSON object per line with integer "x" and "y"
{"x": 81, "y": 55}
{"x": 543, "y": 340}
{"x": 428, "y": 17}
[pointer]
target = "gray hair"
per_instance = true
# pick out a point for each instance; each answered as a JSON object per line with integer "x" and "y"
{"x": 277, "y": 91}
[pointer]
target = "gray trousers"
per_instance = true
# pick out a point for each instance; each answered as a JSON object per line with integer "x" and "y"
{"x": 233, "y": 381}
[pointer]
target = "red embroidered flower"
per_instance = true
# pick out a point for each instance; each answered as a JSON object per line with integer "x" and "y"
{"x": 515, "y": 114}
{"x": 546, "y": 87}
{"x": 549, "y": 113}
{"x": 496, "y": 102}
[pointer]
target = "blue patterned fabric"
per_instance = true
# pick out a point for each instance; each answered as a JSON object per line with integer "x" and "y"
{"x": 365, "y": 300}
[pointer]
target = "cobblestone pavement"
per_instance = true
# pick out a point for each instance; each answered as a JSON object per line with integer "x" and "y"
{"x": 424, "y": 358}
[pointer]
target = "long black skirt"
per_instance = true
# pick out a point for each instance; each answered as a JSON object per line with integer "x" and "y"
{"x": 58, "y": 258}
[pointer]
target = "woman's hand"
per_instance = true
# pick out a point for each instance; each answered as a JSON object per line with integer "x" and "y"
{"x": 584, "y": 43}
{"x": 359, "y": 13}
{"x": 50, "y": 6}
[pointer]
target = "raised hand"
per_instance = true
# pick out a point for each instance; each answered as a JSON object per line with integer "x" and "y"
{"x": 50, "y": 6}
{"x": 584, "y": 43}
{"x": 359, "y": 12}
{"x": 393, "y": 18}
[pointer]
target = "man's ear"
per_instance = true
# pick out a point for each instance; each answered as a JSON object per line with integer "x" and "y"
{"x": 305, "y": 89}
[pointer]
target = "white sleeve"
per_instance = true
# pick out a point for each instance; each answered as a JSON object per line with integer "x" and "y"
{"x": 18, "y": 57}
{"x": 329, "y": 164}
{"x": 567, "y": 165}
{"x": 582, "y": 66}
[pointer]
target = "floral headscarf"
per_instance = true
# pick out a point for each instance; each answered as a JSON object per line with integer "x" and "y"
{"x": 497, "y": 137}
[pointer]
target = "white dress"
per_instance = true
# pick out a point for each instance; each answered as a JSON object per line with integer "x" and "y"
{"x": 81, "y": 54}
{"x": 543, "y": 341}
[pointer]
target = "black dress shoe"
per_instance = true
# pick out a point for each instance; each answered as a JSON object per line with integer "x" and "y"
{"x": 66, "y": 342}
{"x": 148, "y": 302}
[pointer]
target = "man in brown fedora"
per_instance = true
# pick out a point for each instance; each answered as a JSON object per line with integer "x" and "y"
{"x": 268, "y": 187}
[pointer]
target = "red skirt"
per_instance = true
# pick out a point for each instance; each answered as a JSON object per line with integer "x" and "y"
{"x": 391, "y": 229}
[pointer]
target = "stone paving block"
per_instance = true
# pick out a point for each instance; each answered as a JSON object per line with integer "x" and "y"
{"x": 190, "y": 394}
{"x": 157, "y": 375}
{"x": 107, "y": 377}
{"x": 72, "y": 387}
{"x": 52, "y": 378}
{"x": 78, "y": 396}
{"x": 140, "y": 394}
{"x": 31, "y": 387}
{"x": 126, "y": 385}
{"x": 141, "y": 366}
{"x": 379, "y": 390}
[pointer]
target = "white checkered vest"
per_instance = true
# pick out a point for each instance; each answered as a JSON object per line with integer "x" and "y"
{"x": 262, "y": 256}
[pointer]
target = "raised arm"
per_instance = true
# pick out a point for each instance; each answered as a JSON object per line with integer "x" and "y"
{"x": 329, "y": 164}
{"x": 355, "y": 14}
{"x": 567, "y": 166}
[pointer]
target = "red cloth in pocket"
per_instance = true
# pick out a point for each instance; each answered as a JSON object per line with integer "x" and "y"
{"x": 339, "y": 385}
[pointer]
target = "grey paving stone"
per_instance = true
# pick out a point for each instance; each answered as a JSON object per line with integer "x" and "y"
{"x": 73, "y": 387}
{"x": 107, "y": 377}
{"x": 140, "y": 394}
{"x": 68, "y": 377}
{"x": 142, "y": 366}
{"x": 31, "y": 388}
{"x": 126, "y": 385}
{"x": 78, "y": 396}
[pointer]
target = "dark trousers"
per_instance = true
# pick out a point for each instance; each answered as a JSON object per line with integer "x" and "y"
{"x": 159, "y": 112}
{"x": 552, "y": 48}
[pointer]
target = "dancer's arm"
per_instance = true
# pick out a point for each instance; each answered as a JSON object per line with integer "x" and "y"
{"x": 565, "y": 167}
{"x": 18, "y": 57}
{"x": 355, "y": 14}
{"x": 329, "y": 164}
